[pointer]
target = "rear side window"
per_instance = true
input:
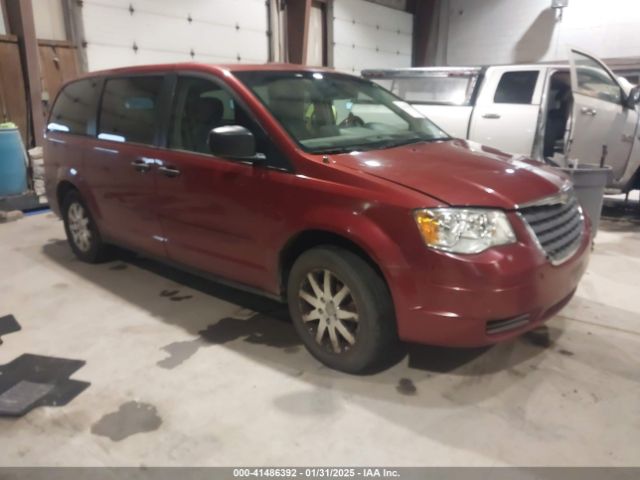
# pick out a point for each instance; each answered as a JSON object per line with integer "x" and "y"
{"x": 516, "y": 87}
{"x": 75, "y": 108}
{"x": 129, "y": 109}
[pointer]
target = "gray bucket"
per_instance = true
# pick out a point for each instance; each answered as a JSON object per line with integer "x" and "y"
{"x": 589, "y": 182}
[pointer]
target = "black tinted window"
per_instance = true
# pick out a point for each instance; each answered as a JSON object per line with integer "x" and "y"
{"x": 129, "y": 109}
{"x": 201, "y": 105}
{"x": 516, "y": 87}
{"x": 75, "y": 108}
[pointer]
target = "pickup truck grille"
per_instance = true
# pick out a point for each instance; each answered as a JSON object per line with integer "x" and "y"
{"x": 557, "y": 225}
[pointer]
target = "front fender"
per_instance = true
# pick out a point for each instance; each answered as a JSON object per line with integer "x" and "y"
{"x": 362, "y": 230}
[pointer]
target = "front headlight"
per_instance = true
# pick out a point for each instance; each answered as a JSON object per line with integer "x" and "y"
{"x": 464, "y": 230}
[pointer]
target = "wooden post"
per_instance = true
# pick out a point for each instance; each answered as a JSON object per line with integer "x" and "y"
{"x": 21, "y": 24}
{"x": 423, "y": 21}
{"x": 298, "y": 12}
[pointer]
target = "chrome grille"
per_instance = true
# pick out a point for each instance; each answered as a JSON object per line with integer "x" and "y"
{"x": 556, "y": 224}
{"x": 499, "y": 326}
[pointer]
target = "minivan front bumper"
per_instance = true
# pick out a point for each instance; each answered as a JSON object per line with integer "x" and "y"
{"x": 470, "y": 301}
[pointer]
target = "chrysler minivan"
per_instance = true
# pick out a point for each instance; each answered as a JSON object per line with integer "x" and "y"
{"x": 319, "y": 189}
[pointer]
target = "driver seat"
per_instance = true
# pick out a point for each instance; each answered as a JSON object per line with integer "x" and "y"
{"x": 321, "y": 120}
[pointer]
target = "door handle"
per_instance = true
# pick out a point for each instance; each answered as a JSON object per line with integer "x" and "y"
{"x": 592, "y": 112}
{"x": 169, "y": 171}
{"x": 141, "y": 166}
{"x": 491, "y": 116}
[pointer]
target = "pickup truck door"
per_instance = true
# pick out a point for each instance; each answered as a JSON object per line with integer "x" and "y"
{"x": 507, "y": 109}
{"x": 601, "y": 123}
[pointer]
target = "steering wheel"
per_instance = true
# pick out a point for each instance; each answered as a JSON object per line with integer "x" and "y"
{"x": 351, "y": 121}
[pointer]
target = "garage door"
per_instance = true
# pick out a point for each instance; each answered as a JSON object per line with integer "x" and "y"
{"x": 367, "y": 35}
{"x": 137, "y": 32}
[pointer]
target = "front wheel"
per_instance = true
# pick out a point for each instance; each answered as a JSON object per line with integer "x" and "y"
{"x": 81, "y": 230}
{"x": 342, "y": 309}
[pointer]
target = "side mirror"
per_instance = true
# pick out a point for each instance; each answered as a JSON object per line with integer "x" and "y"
{"x": 233, "y": 141}
{"x": 633, "y": 98}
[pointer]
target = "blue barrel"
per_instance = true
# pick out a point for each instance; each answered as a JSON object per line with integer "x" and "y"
{"x": 13, "y": 169}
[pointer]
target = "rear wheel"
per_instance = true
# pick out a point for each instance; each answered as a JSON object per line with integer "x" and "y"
{"x": 81, "y": 230}
{"x": 342, "y": 309}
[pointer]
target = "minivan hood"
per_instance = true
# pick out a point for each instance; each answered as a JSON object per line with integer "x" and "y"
{"x": 460, "y": 173}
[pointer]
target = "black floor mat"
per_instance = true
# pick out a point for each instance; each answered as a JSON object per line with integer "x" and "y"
{"x": 8, "y": 324}
{"x": 32, "y": 381}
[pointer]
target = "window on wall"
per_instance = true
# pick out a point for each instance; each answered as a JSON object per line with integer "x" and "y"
{"x": 129, "y": 109}
{"x": 516, "y": 87}
{"x": 48, "y": 16}
{"x": 317, "y": 38}
{"x": 75, "y": 109}
{"x": 3, "y": 26}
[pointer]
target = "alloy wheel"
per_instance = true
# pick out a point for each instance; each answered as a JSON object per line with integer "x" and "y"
{"x": 79, "y": 226}
{"x": 329, "y": 311}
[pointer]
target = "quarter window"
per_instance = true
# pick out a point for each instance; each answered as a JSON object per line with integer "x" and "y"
{"x": 516, "y": 87}
{"x": 75, "y": 108}
{"x": 129, "y": 109}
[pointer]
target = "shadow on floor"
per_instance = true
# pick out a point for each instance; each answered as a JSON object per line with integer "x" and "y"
{"x": 262, "y": 329}
{"x": 425, "y": 389}
{"x": 620, "y": 216}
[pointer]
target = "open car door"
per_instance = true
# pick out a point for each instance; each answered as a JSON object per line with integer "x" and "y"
{"x": 602, "y": 124}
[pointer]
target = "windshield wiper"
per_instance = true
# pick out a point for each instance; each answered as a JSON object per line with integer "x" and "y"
{"x": 383, "y": 144}
{"x": 345, "y": 149}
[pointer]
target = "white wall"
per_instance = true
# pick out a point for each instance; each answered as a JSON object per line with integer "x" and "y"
{"x": 3, "y": 30}
{"x": 221, "y": 31}
{"x": 506, "y": 31}
{"x": 367, "y": 35}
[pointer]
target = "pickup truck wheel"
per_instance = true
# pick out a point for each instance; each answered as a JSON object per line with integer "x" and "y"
{"x": 81, "y": 230}
{"x": 342, "y": 309}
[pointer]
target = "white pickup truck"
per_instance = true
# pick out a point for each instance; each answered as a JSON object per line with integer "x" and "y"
{"x": 561, "y": 112}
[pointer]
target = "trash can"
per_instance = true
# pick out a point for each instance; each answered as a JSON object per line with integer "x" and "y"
{"x": 13, "y": 166}
{"x": 589, "y": 182}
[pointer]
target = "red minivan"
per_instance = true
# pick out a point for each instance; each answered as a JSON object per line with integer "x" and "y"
{"x": 319, "y": 189}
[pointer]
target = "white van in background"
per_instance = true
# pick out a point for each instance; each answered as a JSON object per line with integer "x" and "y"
{"x": 557, "y": 112}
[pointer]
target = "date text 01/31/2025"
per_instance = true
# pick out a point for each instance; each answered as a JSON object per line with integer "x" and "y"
{"x": 315, "y": 472}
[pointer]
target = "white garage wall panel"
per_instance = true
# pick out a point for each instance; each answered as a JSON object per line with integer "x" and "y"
{"x": 367, "y": 35}
{"x": 209, "y": 31}
{"x": 3, "y": 28}
{"x": 504, "y": 31}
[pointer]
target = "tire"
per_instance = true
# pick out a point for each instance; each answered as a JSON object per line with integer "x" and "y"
{"x": 82, "y": 234}
{"x": 365, "y": 313}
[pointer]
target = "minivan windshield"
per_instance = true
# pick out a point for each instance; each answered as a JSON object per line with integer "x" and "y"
{"x": 334, "y": 113}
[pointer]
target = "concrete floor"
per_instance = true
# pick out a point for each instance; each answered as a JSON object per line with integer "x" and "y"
{"x": 186, "y": 372}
